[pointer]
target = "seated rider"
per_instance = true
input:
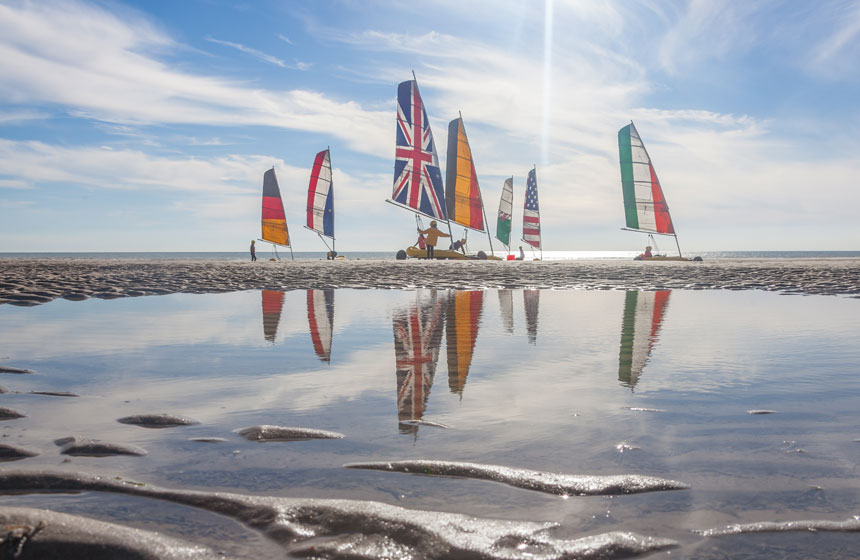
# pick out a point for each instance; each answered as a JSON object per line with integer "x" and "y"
{"x": 459, "y": 245}
{"x": 647, "y": 252}
{"x": 421, "y": 243}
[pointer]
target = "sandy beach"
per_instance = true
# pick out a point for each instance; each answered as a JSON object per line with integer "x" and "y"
{"x": 37, "y": 281}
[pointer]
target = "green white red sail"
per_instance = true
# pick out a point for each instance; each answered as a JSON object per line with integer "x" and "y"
{"x": 506, "y": 213}
{"x": 462, "y": 193}
{"x": 274, "y": 221}
{"x": 640, "y": 327}
{"x": 645, "y": 206}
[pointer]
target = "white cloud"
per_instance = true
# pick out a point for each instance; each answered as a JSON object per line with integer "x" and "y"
{"x": 248, "y": 50}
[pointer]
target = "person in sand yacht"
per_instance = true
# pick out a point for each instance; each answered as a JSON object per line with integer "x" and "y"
{"x": 433, "y": 236}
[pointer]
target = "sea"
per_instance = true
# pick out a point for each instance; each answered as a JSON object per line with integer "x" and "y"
{"x": 320, "y": 255}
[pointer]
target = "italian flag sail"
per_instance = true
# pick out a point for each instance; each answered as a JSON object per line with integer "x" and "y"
{"x": 320, "y": 207}
{"x": 645, "y": 207}
{"x": 506, "y": 213}
{"x": 640, "y": 327}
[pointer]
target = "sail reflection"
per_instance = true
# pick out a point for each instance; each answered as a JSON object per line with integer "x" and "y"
{"x": 461, "y": 332}
{"x": 531, "y": 299}
{"x": 320, "y": 321}
{"x": 640, "y": 328}
{"x": 417, "y": 338}
{"x": 273, "y": 303}
{"x": 506, "y": 304}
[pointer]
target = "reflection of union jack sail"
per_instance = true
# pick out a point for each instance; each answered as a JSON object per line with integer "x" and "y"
{"x": 643, "y": 316}
{"x": 274, "y": 221}
{"x": 417, "y": 338}
{"x": 273, "y": 304}
{"x": 320, "y": 321}
{"x": 531, "y": 300}
{"x": 461, "y": 332}
{"x": 417, "y": 177}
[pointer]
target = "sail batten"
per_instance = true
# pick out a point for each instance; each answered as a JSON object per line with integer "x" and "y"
{"x": 645, "y": 207}
{"x": 506, "y": 213}
{"x": 274, "y": 221}
{"x": 462, "y": 193}
{"x": 417, "y": 177}
{"x": 320, "y": 207}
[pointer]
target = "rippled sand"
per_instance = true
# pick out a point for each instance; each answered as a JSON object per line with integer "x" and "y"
{"x": 36, "y": 281}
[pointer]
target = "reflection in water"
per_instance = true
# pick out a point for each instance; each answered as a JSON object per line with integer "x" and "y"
{"x": 506, "y": 303}
{"x": 461, "y": 331}
{"x": 320, "y": 321}
{"x": 273, "y": 303}
{"x": 531, "y": 298}
{"x": 643, "y": 315}
{"x": 417, "y": 338}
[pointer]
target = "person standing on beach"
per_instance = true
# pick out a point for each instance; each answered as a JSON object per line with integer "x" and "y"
{"x": 253, "y": 251}
{"x": 433, "y": 236}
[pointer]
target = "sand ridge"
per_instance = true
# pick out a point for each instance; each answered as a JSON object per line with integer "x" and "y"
{"x": 28, "y": 282}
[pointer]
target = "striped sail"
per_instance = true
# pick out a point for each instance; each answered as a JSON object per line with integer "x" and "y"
{"x": 643, "y": 316}
{"x": 645, "y": 206}
{"x": 531, "y": 212}
{"x": 461, "y": 332}
{"x": 462, "y": 193}
{"x": 531, "y": 301}
{"x": 320, "y": 321}
{"x": 417, "y": 177}
{"x": 274, "y": 222}
{"x": 506, "y": 213}
{"x": 273, "y": 304}
{"x": 320, "y": 207}
{"x": 506, "y": 305}
{"x": 417, "y": 338}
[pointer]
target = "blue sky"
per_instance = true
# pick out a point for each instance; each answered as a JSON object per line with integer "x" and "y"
{"x": 147, "y": 126}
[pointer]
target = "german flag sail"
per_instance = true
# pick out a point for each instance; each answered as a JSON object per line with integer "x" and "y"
{"x": 274, "y": 221}
{"x": 462, "y": 193}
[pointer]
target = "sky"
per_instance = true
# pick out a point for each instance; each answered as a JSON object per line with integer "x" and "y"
{"x": 147, "y": 126}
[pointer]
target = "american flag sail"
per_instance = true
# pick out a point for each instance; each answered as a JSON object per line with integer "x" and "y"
{"x": 417, "y": 177}
{"x": 417, "y": 338}
{"x": 531, "y": 301}
{"x": 531, "y": 212}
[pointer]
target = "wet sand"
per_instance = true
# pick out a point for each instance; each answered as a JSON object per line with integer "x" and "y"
{"x": 30, "y": 282}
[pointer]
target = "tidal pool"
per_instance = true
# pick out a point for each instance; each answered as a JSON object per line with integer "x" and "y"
{"x": 662, "y": 385}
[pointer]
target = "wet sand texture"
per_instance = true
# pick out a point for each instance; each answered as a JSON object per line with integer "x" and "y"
{"x": 83, "y": 447}
{"x": 848, "y": 526}
{"x": 356, "y": 529}
{"x": 7, "y": 369}
{"x": 267, "y": 432}
{"x": 10, "y": 413}
{"x": 36, "y": 281}
{"x": 41, "y": 534}
{"x": 14, "y": 453}
{"x": 552, "y": 483}
{"x": 157, "y": 420}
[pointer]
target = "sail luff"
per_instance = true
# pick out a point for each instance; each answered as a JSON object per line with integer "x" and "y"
{"x": 462, "y": 193}
{"x": 506, "y": 213}
{"x": 274, "y": 221}
{"x": 320, "y": 206}
{"x": 645, "y": 205}
{"x": 417, "y": 177}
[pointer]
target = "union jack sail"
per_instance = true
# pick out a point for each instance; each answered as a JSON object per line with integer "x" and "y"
{"x": 417, "y": 178}
{"x": 531, "y": 212}
{"x": 320, "y": 208}
{"x": 417, "y": 338}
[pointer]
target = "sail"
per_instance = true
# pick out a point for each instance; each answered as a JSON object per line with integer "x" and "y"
{"x": 321, "y": 196}
{"x": 531, "y": 212}
{"x": 417, "y": 178}
{"x": 274, "y": 221}
{"x": 531, "y": 300}
{"x": 462, "y": 193}
{"x": 645, "y": 206}
{"x": 417, "y": 338}
{"x": 273, "y": 304}
{"x": 640, "y": 327}
{"x": 506, "y": 213}
{"x": 320, "y": 321}
{"x": 461, "y": 332}
{"x": 506, "y": 305}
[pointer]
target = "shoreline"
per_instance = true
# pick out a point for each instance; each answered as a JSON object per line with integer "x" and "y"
{"x": 28, "y": 282}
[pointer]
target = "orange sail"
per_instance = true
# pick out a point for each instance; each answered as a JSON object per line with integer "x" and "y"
{"x": 461, "y": 326}
{"x": 462, "y": 193}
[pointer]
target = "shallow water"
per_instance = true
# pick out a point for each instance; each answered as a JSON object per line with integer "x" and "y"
{"x": 658, "y": 384}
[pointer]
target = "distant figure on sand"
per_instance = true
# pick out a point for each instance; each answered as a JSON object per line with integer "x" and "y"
{"x": 459, "y": 245}
{"x": 421, "y": 243}
{"x": 433, "y": 236}
{"x": 253, "y": 251}
{"x": 522, "y": 256}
